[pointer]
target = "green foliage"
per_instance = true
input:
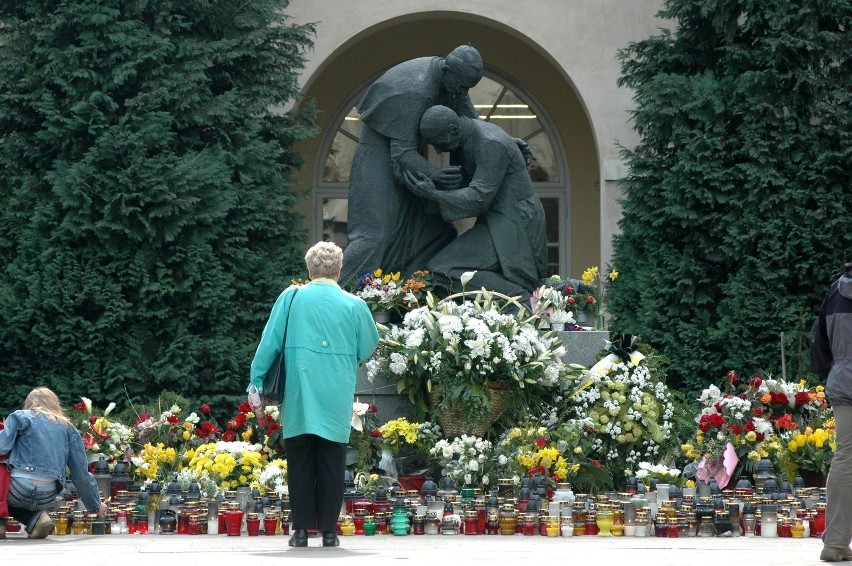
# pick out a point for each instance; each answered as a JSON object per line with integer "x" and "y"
{"x": 736, "y": 210}
{"x": 147, "y": 215}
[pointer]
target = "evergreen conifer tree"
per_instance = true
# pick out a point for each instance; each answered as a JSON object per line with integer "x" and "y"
{"x": 147, "y": 214}
{"x": 737, "y": 207}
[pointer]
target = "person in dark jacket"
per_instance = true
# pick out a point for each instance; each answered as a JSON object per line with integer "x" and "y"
{"x": 387, "y": 226}
{"x": 831, "y": 359}
{"x": 507, "y": 247}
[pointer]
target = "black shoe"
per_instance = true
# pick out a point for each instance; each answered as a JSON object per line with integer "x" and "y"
{"x": 329, "y": 538}
{"x": 299, "y": 538}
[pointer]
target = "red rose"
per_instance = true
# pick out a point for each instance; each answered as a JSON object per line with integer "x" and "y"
{"x": 229, "y": 436}
{"x": 757, "y": 412}
{"x": 240, "y": 420}
{"x": 749, "y": 426}
{"x": 375, "y": 433}
{"x": 590, "y": 299}
{"x": 590, "y": 430}
{"x": 273, "y": 427}
{"x": 244, "y": 407}
{"x": 173, "y": 419}
{"x": 802, "y": 398}
{"x": 205, "y": 408}
{"x": 142, "y": 418}
{"x": 570, "y": 301}
{"x": 206, "y": 429}
{"x": 760, "y": 436}
{"x": 2, "y": 426}
{"x": 785, "y": 422}
{"x": 755, "y": 382}
{"x": 93, "y": 419}
{"x": 731, "y": 376}
{"x": 540, "y": 442}
{"x": 717, "y": 420}
{"x": 80, "y": 406}
{"x": 736, "y": 429}
{"x": 569, "y": 290}
{"x": 780, "y": 398}
{"x": 373, "y": 408}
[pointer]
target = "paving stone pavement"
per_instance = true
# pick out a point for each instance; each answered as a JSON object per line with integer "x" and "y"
{"x": 380, "y": 550}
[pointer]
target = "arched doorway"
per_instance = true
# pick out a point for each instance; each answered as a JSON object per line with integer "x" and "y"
{"x": 571, "y": 196}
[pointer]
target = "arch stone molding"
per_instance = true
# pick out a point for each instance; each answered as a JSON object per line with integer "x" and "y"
{"x": 579, "y": 42}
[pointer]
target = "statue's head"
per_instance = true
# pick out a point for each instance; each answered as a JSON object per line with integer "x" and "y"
{"x": 440, "y": 126}
{"x": 462, "y": 69}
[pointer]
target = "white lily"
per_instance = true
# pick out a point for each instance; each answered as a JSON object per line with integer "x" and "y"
{"x": 466, "y": 277}
{"x": 358, "y": 411}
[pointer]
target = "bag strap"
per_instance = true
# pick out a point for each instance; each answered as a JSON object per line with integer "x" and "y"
{"x": 287, "y": 319}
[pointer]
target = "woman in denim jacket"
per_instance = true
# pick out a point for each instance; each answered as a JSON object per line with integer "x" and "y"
{"x": 41, "y": 443}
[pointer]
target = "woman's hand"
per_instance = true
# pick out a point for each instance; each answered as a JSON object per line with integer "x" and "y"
{"x": 103, "y": 510}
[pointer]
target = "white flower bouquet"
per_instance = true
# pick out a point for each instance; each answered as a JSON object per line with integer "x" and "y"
{"x": 468, "y": 350}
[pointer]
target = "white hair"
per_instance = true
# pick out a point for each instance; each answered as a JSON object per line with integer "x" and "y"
{"x": 324, "y": 259}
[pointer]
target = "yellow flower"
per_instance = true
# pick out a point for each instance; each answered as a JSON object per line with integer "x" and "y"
{"x": 377, "y": 272}
{"x": 613, "y": 275}
{"x": 751, "y": 436}
{"x": 186, "y": 435}
{"x": 247, "y": 434}
{"x": 792, "y": 446}
{"x": 590, "y": 275}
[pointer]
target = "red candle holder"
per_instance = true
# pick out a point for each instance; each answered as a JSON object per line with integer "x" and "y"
{"x": 253, "y": 524}
{"x": 233, "y": 522}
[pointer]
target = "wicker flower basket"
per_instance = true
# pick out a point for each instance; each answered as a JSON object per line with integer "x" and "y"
{"x": 453, "y": 421}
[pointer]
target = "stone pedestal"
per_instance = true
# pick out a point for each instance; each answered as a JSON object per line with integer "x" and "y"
{"x": 582, "y": 348}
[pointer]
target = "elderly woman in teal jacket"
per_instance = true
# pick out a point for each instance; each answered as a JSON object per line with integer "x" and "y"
{"x": 329, "y": 332}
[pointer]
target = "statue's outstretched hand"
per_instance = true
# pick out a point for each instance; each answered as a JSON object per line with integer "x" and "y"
{"x": 419, "y": 184}
{"x": 448, "y": 179}
{"x": 526, "y": 151}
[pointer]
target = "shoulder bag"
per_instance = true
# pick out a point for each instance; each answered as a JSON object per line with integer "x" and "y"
{"x": 273, "y": 381}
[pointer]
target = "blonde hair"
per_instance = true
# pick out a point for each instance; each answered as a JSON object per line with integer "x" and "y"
{"x": 43, "y": 400}
{"x": 324, "y": 259}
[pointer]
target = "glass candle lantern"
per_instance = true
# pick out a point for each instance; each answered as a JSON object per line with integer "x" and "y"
{"x": 270, "y": 523}
{"x": 578, "y": 513}
{"x": 370, "y": 526}
{"x": 508, "y": 519}
{"x": 592, "y": 528}
{"x": 818, "y": 522}
{"x": 253, "y": 524}
{"x": 233, "y": 520}
{"x": 604, "y": 519}
{"x": 769, "y": 521}
{"x": 419, "y": 525}
{"x": 471, "y": 522}
{"x": 641, "y": 523}
{"x": 347, "y": 526}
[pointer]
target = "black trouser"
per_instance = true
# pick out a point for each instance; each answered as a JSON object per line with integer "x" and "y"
{"x": 315, "y": 470}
